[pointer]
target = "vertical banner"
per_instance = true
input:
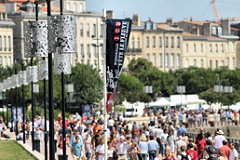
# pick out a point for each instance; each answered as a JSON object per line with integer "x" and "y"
{"x": 118, "y": 31}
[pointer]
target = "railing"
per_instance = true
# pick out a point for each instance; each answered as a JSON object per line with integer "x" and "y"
{"x": 234, "y": 140}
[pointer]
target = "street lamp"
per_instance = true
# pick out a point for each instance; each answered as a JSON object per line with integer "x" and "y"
{"x": 218, "y": 88}
{"x": 70, "y": 89}
{"x": 228, "y": 89}
{"x": 181, "y": 89}
{"x": 148, "y": 90}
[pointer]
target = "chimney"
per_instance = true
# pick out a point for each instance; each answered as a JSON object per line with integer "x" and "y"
{"x": 225, "y": 24}
{"x": 110, "y": 14}
{"x": 136, "y": 20}
{"x": 169, "y": 21}
{"x": 11, "y": 7}
{"x": 206, "y": 29}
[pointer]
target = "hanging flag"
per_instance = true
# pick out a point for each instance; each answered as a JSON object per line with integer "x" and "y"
{"x": 118, "y": 31}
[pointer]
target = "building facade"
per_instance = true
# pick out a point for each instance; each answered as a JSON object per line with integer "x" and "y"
{"x": 6, "y": 40}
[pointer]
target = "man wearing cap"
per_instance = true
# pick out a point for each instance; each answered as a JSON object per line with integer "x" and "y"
{"x": 218, "y": 139}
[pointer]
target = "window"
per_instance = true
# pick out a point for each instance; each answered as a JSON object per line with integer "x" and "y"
{"x": 81, "y": 7}
{"x": 195, "y": 62}
{"x": 88, "y": 30}
{"x": 178, "y": 60}
{"x": 0, "y": 43}
{"x": 202, "y": 63}
{"x": 5, "y": 61}
{"x": 228, "y": 61}
{"x": 147, "y": 57}
{"x": 210, "y": 47}
{"x": 138, "y": 43}
{"x": 81, "y": 29}
{"x": 75, "y": 7}
{"x": 9, "y": 61}
{"x": 187, "y": 49}
{"x": 166, "y": 42}
{"x": 194, "y": 48}
{"x": 226, "y": 47}
{"x": 187, "y": 63}
{"x": 147, "y": 42}
{"x": 178, "y": 42}
{"x": 172, "y": 60}
{"x": 216, "y": 63}
{"x": 233, "y": 46}
{"x": 88, "y": 51}
{"x": 82, "y": 50}
{"x": 160, "y": 42}
{"x": 166, "y": 60}
{"x": 172, "y": 42}
{"x": 222, "y": 48}
{"x": 216, "y": 48}
{"x": 154, "y": 42}
{"x": 5, "y": 43}
{"x": 133, "y": 42}
{"x": 9, "y": 43}
{"x": 154, "y": 59}
{"x": 201, "y": 48}
{"x": 67, "y": 6}
{"x": 222, "y": 62}
{"x": 94, "y": 30}
{"x": 95, "y": 51}
{"x": 210, "y": 64}
{"x": 160, "y": 60}
{"x": 101, "y": 30}
{"x": 233, "y": 62}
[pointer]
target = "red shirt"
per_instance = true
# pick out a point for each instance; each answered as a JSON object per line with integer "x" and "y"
{"x": 193, "y": 154}
{"x": 226, "y": 150}
{"x": 200, "y": 144}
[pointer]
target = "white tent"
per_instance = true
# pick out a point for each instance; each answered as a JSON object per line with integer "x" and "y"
{"x": 160, "y": 102}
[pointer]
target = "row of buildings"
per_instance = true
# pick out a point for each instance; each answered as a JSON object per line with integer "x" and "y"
{"x": 168, "y": 45}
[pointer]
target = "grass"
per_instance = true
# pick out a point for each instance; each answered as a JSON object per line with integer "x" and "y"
{"x": 10, "y": 150}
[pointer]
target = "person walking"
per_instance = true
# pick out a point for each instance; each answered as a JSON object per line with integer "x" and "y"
{"x": 77, "y": 148}
{"x": 153, "y": 148}
{"x": 143, "y": 145}
{"x": 234, "y": 153}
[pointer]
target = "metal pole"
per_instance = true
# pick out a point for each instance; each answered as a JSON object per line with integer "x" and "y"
{"x": 33, "y": 111}
{"x": 15, "y": 66}
{"x": 23, "y": 105}
{"x": 105, "y": 89}
{"x": 63, "y": 101}
{"x": 45, "y": 117}
{"x": 11, "y": 105}
{"x": 50, "y": 97}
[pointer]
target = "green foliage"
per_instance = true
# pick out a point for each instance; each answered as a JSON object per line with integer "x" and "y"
{"x": 88, "y": 85}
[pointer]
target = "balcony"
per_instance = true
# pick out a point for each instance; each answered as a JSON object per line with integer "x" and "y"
{"x": 134, "y": 51}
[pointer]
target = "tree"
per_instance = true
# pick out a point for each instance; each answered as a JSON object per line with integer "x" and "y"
{"x": 88, "y": 85}
{"x": 128, "y": 89}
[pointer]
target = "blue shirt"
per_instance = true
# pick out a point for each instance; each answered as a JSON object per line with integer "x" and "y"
{"x": 152, "y": 145}
{"x": 73, "y": 139}
{"x": 143, "y": 147}
{"x": 77, "y": 147}
{"x": 180, "y": 116}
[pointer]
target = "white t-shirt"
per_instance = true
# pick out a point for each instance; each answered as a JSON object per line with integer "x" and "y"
{"x": 129, "y": 126}
{"x": 233, "y": 154}
{"x": 164, "y": 138}
{"x": 111, "y": 122}
{"x": 100, "y": 149}
{"x": 121, "y": 148}
{"x": 179, "y": 157}
{"x": 218, "y": 141}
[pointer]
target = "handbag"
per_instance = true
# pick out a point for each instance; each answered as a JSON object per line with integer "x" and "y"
{"x": 115, "y": 156}
{"x": 140, "y": 156}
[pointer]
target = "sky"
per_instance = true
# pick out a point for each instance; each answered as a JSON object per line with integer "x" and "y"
{"x": 159, "y": 10}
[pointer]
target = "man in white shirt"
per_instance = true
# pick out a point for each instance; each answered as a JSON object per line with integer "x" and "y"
{"x": 122, "y": 149}
{"x": 100, "y": 151}
{"x": 158, "y": 131}
{"x": 234, "y": 153}
{"x": 218, "y": 139}
{"x": 111, "y": 122}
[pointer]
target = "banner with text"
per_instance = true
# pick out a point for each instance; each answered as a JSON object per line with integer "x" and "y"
{"x": 118, "y": 31}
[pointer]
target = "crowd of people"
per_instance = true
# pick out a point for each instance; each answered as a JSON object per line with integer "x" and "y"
{"x": 160, "y": 139}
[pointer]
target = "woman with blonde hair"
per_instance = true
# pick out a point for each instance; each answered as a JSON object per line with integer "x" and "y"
{"x": 143, "y": 146}
{"x": 134, "y": 151}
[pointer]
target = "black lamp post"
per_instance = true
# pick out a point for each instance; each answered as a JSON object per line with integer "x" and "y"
{"x": 218, "y": 88}
{"x": 148, "y": 89}
{"x": 181, "y": 89}
{"x": 228, "y": 89}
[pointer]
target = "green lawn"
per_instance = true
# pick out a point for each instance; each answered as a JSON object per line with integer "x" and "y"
{"x": 10, "y": 150}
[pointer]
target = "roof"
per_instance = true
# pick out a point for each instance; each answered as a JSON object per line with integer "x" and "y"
{"x": 199, "y": 22}
{"x": 167, "y": 27}
{"x": 189, "y": 36}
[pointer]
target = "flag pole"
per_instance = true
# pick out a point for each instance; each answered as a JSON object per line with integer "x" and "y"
{"x": 104, "y": 85}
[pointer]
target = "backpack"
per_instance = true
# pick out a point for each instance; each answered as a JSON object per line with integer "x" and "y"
{"x": 184, "y": 157}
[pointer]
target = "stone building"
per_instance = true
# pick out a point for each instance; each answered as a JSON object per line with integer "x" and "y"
{"x": 6, "y": 39}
